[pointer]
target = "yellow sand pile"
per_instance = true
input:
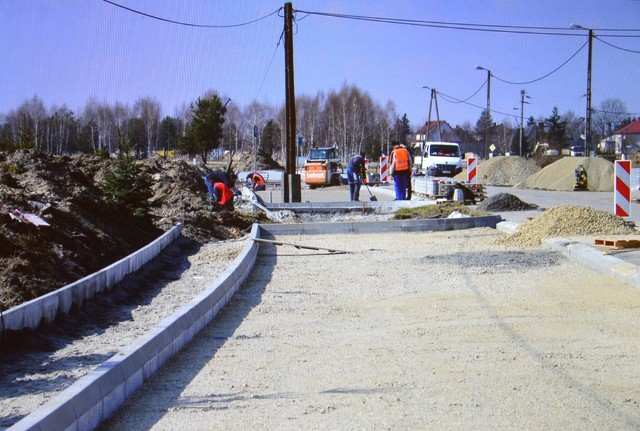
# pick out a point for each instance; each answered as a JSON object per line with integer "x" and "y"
{"x": 503, "y": 171}
{"x": 560, "y": 175}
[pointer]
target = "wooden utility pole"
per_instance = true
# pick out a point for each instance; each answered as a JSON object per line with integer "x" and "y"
{"x": 291, "y": 182}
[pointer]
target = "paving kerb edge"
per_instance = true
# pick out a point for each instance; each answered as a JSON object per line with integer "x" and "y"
{"x": 110, "y": 390}
{"x": 594, "y": 258}
{"x": 31, "y": 313}
{"x": 87, "y": 411}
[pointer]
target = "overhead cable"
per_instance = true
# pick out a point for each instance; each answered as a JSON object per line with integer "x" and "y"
{"x": 544, "y": 76}
{"x": 188, "y": 24}
{"x": 447, "y": 98}
{"x": 496, "y": 28}
{"x": 270, "y": 63}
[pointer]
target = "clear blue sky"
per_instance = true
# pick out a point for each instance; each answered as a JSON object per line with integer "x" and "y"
{"x": 67, "y": 51}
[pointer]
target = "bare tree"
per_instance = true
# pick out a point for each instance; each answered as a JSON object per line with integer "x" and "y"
{"x": 148, "y": 110}
{"x": 608, "y": 116}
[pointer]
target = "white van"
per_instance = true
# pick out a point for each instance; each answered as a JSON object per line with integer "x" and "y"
{"x": 439, "y": 159}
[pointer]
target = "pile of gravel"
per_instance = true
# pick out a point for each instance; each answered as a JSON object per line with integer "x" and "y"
{"x": 505, "y": 202}
{"x": 560, "y": 175}
{"x": 503, "y": 170}
{"x": 566, "y": 220}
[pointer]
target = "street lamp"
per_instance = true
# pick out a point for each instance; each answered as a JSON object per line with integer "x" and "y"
{"x": 488, "y": 87}
{"x": 587, "y": 137}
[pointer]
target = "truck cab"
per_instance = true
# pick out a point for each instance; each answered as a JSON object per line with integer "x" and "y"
{"x": 440, "y": 159}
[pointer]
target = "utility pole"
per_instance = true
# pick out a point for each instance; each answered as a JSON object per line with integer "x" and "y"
{"x": 291, "y": 182}
{"x": 587, "y": 132}
{"x": 587, "y": 138}
{"x": 523, "y": 94}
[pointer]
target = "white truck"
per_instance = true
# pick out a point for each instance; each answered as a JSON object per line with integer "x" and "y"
{"x": 438, "y": 159}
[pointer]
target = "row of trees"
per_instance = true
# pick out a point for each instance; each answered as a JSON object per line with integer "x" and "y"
{"x": 349, "y": 119}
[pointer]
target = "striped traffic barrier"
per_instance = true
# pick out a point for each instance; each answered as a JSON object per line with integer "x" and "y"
{"x": 384, "y": 169}
{"x": 622, "y": 197}
{"x": 472, "y": 170}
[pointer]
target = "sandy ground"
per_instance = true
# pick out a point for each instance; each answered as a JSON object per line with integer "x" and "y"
{"x": 54, "y": 357}
{"x": 411, "y": 331}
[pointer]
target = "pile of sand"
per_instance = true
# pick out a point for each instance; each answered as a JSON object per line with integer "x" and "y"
{"x": 503, "y": 171}
{"x": 567, "y": 220}
{"x": 505, "y": 202}
{"x": 560, "y": 175}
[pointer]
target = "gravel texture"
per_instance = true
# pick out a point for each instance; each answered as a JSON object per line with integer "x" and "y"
{"x": 443, "y": 330}
{"x": 504, "y": 202}
{"x": 38, "y": 365}
{"x": 560, "y": 175}
{"x": 503, "y": 171}
{"x": 567, "y": 220}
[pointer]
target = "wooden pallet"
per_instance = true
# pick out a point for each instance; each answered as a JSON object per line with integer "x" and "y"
{"x": 617, "y": 244}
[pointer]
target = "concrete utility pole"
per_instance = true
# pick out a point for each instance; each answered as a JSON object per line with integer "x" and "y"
{"x": 587, "y": 132}
{"x": 291, "y": 182}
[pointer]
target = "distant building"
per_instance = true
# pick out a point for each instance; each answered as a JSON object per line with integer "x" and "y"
{"x": 468, "y": 143}
{"x": 627, "y": 139}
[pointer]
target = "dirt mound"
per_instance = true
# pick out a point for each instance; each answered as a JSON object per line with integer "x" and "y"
{"x": 503, "y": 171}
{"x": 560, "y": 175}
{"x": 505, "y": 202}
{"x": 262, "y": 162}
{"x": 567, "y": 220}
{"x": 86, "y": 232}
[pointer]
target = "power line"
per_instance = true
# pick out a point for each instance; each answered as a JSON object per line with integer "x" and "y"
{"x": 446, "y": 98}
{"x": 496, "y": 28}
{"x": 270, "y": 63}
{"x": 616, "y": 47}
{"x": 188, "y": 24}
{"x": 544, "y": 76}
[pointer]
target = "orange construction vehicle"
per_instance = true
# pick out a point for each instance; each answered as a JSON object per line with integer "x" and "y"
{"x": 323, "y": 167}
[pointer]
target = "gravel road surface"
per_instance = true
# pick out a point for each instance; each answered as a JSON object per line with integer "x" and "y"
{"x": 410, "y": 331}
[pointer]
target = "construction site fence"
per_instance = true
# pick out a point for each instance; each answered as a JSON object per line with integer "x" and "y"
{"x": 47, "y": 307}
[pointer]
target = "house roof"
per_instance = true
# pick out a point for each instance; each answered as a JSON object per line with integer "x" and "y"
{"x": 432, "y": 126}
{"x": 630, "y": 129}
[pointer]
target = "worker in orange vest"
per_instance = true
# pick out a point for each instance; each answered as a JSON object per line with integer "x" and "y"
{"x": 400, "y": 167}
{"x": 257, "y": 181}
{"x": 223, "y": 195}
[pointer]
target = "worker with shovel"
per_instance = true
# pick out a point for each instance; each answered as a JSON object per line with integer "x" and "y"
{"x": 355, "y": 175}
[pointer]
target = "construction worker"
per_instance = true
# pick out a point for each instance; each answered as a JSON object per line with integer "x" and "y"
{"x": 223, "y": 195}
{"x": 228, "y": 178}
{"x": 257, "y": 181}
{"x": 355, "y": 175}
{"x": 400, "y": 167}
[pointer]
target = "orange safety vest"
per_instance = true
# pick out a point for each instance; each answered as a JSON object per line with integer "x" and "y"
{"x": 401, "y": 159}
{"x": 258, "y": 180}
{"x": 226, "y": 193}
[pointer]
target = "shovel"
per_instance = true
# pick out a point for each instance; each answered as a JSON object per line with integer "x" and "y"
{"x": 372, "y": 198}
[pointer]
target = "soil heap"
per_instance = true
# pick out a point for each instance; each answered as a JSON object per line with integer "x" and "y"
{"x": 503, "y": 170}
{"x": 505, "y": 202}
{"x": 566, "y": 220}
{"x": 86, "y": 232}
{"x": 560, "y": 175}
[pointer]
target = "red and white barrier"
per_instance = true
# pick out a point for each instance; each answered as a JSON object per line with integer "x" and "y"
{"x": 622, "y": 197}
{"x": 472, "y": 170}
{"x": 384, "y": 169}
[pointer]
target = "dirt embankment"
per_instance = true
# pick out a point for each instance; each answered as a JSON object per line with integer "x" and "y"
{"x": 87, "y": 233}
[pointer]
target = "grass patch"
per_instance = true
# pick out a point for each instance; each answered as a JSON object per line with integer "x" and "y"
{"x": 441, "y": 210}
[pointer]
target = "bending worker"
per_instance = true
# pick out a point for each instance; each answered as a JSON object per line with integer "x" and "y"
{"x": 355, "y": 176}
{"x": 257, "y": 181}
{"x": 223, "y": 195}
{"x": 228, "y": 178}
